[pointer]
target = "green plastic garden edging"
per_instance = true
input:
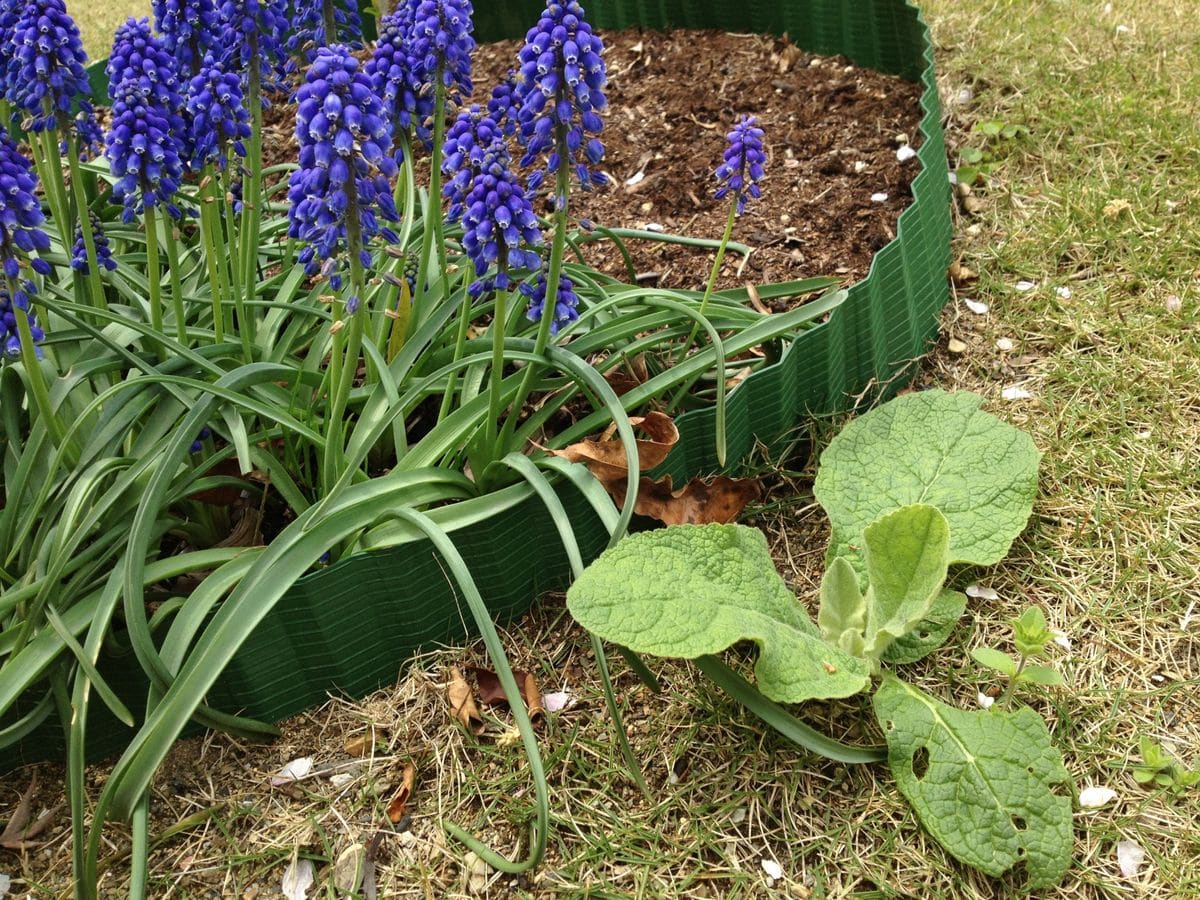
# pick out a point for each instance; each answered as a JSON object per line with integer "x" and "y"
{"x": 350, "y": 628}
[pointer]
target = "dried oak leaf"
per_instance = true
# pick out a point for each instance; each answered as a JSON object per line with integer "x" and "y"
{"x": 20, "y": 832}
{"x": 701, "y": 501}
{"x": 605, "y": 457}
{"x": 462, "y": 704}
{"x": 399, "y": 802}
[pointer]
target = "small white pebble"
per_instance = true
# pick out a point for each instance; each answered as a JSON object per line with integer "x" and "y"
{"x": 860, "y": 166}
{"x": 1094, "y": 796}
{"x": 1015, "y": 393}
{"x": 773, "y": 869}
{"x": 985, "y": 701}
{"x": 979, "y": 592}
{"x": 1123, "y": 29}
{"x": 954, "y": 178}
{"x": 976, "y": 306}
{"x": 879, "y": 198}
{"x": 965, "y": 96}
{"x": 1024, "y": 286}
{"x": 1004, "y": 345}
{"x": 905, "y": 153}
{"x": 653, "y": 226}
{"x": 340, "y": 779}
{"x": 902, "y": 138}
{"x": 1064, "y": 292}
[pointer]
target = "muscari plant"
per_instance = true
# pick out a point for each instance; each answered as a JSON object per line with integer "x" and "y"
{"x": 177, "y": 309}
{"x": 914, "y": 488}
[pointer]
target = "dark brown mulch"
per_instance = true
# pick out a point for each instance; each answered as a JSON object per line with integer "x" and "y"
{"x": 832, "y": 132}
{"x": 831, "y": 140}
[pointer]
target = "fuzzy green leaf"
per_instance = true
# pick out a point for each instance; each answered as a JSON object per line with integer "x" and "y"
{"x": 931, "y": 632}
{"x": 995, "y": 659}
{"x": 938, "y": 449}
{"x": 1043, "y": 675}
{"x": 843, "y": 611}
{"x": 989, "y": 786}
{"x": 693, "y": 590}
{"x": 906, "y": 559}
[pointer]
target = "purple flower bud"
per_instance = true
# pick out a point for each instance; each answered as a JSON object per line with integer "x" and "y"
{"x": 104, "y": 257}
{"x": 742, "y": 166}
{"x": 565, "y": 304}
{"x": 10, "y": 337}
{"x": 21, "y": 215}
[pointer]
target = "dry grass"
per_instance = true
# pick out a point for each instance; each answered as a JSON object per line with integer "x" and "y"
{"x": 1112, "y": 555}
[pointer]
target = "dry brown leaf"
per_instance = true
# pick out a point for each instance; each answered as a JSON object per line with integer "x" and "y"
{"x": 20, "y": 832}
{"x": 360, "y": 744}
{"x": 631, "y": 373}
{"x": 756, "y": 301}
{"x": 605, "y": 457}
{"x": 701, "y": 501}
{"x": 737, "y": 378}
{"x": 533, "y": 698}
{"x": 399, "y": 802}
{"x": 492, "y": 694}
{"x": 960, "y": 274}
{"x": 462, "y": 704}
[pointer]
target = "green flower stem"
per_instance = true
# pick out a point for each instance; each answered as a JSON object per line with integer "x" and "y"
{"x": 154, "y": 274}
{"x": 212, "y": 255}
{"x": 712, "y": 280}
{"x": 244, "y": 324}
{"x": 329, "y": 19}
{"x": 95, "y": 285}
{"x": 1012, "y": 683}
{"x": 499, "y": 318}
{"x": 173, "y": 272}
{"x": 252, "y": 185}
{"x": 37, "y": 381}
{"x": 56, "y": 186}
{"x": 432, "y": 238}
{"x": 562, "y": 183}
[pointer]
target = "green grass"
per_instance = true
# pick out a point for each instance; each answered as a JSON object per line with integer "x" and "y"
{"x": 1113, "y": 553}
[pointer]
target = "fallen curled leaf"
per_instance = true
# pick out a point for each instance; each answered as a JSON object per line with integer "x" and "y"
{"x": 605, "y": 457}
{"x": 701, "y": 501}
{"x": 348, "y": 870}
{"x": 462, "y": 704}
{"x": 631, "y": 373}
{"x": 533, "y": 698}
{"x": 491, "y": 693}
{"x": 295, "y": 770}
{"x": 756, "y": 300}
{"x": 21, "y": 830}
{"x": 960, "y": 274}
{"x": 399, "y": 801}
{"x": 360, "y": 744}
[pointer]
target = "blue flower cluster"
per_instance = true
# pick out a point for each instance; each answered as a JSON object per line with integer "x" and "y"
{"x": 308, "y": 26}
{"x": 144, "y": 145}
{"x": 252, "y": 34}
{"x": 565, "y": 311}
{"x": 345, "y": 162}
{"x": 48, "y": 63}
{"x": 742, "y": 165}
{"x": 390, "y": 69}
{"x": 79, "y": 260}
{"x": 189, "y": 29}
{"x": 498, "y": 220}
{"x": 219, "y": 118}
{"x": 560, "y": 92}
{"x": 500, "y": 106}
{"x": 441, "y": 43}
{"x": 21, "y": 233}
{"x": 10, "y": 338}
{"x": 88, "y": 135}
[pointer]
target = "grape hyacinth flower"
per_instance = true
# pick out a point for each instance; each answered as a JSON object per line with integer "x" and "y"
{"x": 219, "y": 119}
{"x": 10, "y": 335}
{"x": 144, "y": 146}
{"x": 21, "y": 234}
{"x": 560, "y": 92}
{"x": 500, "y": 106}
{"x": 340, "y": 191}
{"x": 79, "y": 256}
{"x": 311, "y": 26}
{"x": 9, "y": 10}
{"x": 441, "y": 44}
{"x": 251, "y": 35}
{"x": 742, "y": 165}
{"x": 498, "y": 220}
{"x": 89, "y": 135}
{"x": 565, "y": 311}
{"x": 390, "y": 70}
{"x": 189, "y": 28}
{"x": 47, "y": 76}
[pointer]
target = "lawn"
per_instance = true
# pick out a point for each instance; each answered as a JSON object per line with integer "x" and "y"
{"x": 1087, "y": 253}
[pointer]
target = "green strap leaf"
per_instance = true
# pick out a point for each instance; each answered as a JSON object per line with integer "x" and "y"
{"x": 988, "y": 785}
{"x": 693, "y": 590}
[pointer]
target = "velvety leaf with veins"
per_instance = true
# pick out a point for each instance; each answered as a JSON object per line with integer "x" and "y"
{"x": 987, "y": 784}
{"x": 938, "y": 449}
{"x": 693, "y": 590}
{"x": 931, "y": 632}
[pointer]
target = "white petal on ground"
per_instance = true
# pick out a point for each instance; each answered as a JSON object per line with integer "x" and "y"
{"x": 1024, "y": 286}
{"x": 653, "y": 226}
{"x": 1004, "y": 344}
{"x": 635, "y": 178}
{"x": 1130, "y": 857}
{"x": 773, "y": 869}
{"x": 976, "y": 306}
{"x": 979, "y": 592}
{"x": 1095, "y": 796}
{"x": 1064, "y": 292}
{"x": 5, "y": 884}
{"x": 1173, "y": 303}
{"x": 905, "y": 153}
{"x": 1060, "y": 638}
{"x": 879, "y": 198}
{"x": 985, "y": 701}
{"x": 1015, "y": 393}
{"x": 559, "y": 700}
{"x": 293, "y": 771}
{"x": 341, "y": 779}
{"x": 297, "y": 879}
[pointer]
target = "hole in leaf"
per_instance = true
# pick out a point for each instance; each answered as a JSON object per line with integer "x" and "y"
{"x": 924, "y": 635}
{"x": 1019, "y": 823}
{"x": 890, "y": 725}
{"x": 920, "y": 762}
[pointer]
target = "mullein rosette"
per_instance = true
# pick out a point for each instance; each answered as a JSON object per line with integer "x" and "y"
{"x": 559, "y": 95}
{"x": 499, "y": 225}
{"x": 741, "y": 167}
{"x": 144, "y": 144}
{"x": 21, "y": 234}
{"x": 340, "y": 193}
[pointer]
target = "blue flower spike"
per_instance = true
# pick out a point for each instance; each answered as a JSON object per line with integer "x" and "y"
{"x": 311, "y": 30}
{"x": 565, "y": 305}
{"x": 742, "y": 166}
{"x": 190, "y": 30}
{"x": 104, "y": 257}
{"x": 220, "y": 122}
{"x": 21, "y": 234}
{"x": 46, "y": 75}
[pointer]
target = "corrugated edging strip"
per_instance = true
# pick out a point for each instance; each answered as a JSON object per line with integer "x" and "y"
{"x": 350, "y": 628}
